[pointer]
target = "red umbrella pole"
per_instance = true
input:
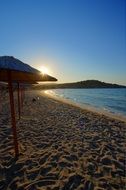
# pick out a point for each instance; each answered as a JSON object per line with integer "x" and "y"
{"x": 22, "y": 96}
{"x": 0, "y": 99}
{"x": 24, "y": 93}
{"x": 19, "y": 106}
{"x": 13, "y": 121}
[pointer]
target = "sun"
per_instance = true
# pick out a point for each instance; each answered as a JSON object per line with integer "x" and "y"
{"x": 44, "y": 70}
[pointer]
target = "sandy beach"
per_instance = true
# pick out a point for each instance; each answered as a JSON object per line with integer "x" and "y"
{"x": 62, "y": 147}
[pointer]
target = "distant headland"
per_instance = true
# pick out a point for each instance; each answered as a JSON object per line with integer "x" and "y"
{"x": 81, "y": 84}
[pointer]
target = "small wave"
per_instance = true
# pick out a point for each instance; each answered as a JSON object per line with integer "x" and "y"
{"x": 118, "y": 108}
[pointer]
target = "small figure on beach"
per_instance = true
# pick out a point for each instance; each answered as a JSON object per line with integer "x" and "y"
{"x": 33, "y": 100}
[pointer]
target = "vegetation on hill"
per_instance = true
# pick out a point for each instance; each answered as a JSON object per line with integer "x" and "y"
{"x": 81, "y": 84}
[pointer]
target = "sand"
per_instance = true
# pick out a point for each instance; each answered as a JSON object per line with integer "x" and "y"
{"x": 62, "y": 147}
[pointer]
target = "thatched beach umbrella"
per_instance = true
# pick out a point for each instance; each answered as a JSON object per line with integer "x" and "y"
{"x": 13, "y": 70}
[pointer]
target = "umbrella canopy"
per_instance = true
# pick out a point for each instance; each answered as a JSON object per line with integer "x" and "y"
{"x": 20, "y": 72}
{"x": 11, "y": 63}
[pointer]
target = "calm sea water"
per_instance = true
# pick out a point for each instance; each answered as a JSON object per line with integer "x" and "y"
{"x": 111, "y": 100}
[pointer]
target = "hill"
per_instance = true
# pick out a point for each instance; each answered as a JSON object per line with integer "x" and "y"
{"x": 81, "y": 84}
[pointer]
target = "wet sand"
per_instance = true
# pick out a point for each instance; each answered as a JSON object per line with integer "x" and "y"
{"x": 62, "y": 147}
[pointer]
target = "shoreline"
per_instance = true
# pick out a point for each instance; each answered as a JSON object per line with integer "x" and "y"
{"x": 85, "y": 107}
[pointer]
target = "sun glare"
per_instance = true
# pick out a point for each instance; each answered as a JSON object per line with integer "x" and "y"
{"x": 44, "y": 70}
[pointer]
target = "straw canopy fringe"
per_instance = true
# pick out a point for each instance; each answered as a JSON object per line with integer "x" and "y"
{"x": 13, "y": 70}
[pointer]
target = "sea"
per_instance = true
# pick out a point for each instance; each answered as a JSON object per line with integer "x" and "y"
{"x": 112, "y": 100}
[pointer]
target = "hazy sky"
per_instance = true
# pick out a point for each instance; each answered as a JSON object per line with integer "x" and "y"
{"x": 75, "y": 39}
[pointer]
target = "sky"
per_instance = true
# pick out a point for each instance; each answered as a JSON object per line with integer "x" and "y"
{"x": 75, "y": 39}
